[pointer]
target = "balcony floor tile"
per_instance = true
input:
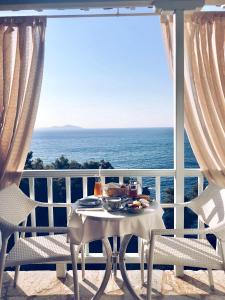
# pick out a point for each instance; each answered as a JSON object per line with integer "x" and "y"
{"x": 43, "y": 285}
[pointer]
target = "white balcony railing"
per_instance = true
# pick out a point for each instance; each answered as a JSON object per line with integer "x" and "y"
{"x": 84, "y": 174}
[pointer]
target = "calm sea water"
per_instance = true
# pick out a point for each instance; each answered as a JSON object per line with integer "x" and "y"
{"x": 123, "y": 148}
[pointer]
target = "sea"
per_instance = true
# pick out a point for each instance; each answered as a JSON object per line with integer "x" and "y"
{"x": 142, "y": 148}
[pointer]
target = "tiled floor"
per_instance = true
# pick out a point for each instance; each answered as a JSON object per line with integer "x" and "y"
{"x": 43, "y": 285}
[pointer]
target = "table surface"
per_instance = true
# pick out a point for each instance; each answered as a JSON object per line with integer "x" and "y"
{"x": 119, "y": 215}
{"x": 89, "y": 225}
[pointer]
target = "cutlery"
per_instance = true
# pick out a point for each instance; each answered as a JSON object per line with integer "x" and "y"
{"x": 90, "y": 209}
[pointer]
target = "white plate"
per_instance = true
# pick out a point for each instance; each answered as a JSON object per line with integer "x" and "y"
{"x": 89, "y": 202}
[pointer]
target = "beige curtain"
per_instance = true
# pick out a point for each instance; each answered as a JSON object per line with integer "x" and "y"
{"x": 204, "y": 88}
{"x": 21, "y": 69}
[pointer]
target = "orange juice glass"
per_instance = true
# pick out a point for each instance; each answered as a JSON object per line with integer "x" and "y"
{"x": 98, "y": 188}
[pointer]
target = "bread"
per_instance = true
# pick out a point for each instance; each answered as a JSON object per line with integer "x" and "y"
{"x": 115, "y": 190}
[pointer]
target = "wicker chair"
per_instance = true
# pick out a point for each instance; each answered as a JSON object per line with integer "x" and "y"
{"x": 166, "y": 250}
{"x": 15, "y": 207}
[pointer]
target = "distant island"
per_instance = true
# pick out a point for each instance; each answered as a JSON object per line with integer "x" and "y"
{"x": 61, "y": 128}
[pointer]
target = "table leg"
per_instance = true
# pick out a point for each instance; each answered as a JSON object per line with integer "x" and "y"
{"x": 122, "y": 252}
{"x": 115, "y": 256}
{"x": 108, "y": 269}
{"x": 61, "y": 270}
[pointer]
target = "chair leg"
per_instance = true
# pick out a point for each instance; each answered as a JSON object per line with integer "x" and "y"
{"x": 150, "y": 268}
{"x": 142, "y": 266}
{"x": 17, "y": 270}
{"x": 75, "y": 275}
{"x": 211, "y": 281}
{"x": 83, "y": 261}
{"x": 2, "y": 261}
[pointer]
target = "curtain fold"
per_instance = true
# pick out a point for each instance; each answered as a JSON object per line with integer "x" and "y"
{"x": 204, "y": 73}
{"x": 21, "y": 70}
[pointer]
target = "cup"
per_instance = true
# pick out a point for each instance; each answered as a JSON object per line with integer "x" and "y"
{"x": 114, "y": 203}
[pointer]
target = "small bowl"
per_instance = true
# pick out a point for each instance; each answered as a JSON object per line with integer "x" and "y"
{"x": 114, "y": 203}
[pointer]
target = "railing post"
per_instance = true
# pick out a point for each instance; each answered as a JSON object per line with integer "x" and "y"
{"x": 178, "y": 72}
{"x": 178, "y": 64}
{"x": 85, "y": 193}
{"x": 200, "y": 190}
{"x": 68, "y": 195}
{"x": 32, "y": 196}
{"x": 50, "y": 201}
{"x": 157, "y": 189}
{"x": 60, "y": 267}
{"x": 120, "y": 179}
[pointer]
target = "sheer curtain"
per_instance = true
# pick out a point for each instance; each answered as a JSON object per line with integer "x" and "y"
{"x": 204, "y": 88}
{"x": 21, "y": 69}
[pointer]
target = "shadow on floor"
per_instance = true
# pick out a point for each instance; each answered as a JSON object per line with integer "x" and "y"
{"x": 45, "y": 286}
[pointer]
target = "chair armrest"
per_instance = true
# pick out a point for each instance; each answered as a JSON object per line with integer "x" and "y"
{"x": 42, "y": 229}
{"x": 175, "y": 205}
{"x": 44, "y": 204}
{"x": 9, "y": 228}
{"x": 188, "y": 231}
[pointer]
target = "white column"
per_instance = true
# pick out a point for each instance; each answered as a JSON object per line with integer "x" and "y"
{"x": 178, "y": 64}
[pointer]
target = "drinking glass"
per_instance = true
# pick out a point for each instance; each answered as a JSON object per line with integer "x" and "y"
{"x": 98, "y": 187}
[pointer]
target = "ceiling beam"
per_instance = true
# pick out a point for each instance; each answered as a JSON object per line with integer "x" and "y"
{"x": 70, "y": 4}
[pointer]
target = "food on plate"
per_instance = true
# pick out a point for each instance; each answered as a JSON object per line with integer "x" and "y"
{"x": 138, "y": 204}
{"x": 142, "y": 196}
{"x": 144, "y": 203}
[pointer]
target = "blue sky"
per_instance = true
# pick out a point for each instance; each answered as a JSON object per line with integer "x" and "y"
{"x": 105, "y": 73}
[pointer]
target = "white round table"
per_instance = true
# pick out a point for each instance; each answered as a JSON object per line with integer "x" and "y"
{"x": 89, "y": 225}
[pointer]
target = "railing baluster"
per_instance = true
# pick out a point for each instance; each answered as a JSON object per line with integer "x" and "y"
{"x": 85, "y": 186}
{"x": 85, "y": 193}
{"x": 120, "y": 179}
{"x": 139, "y": 180}
{"x": 200, "y": 184}
{"x": 32, "y": 196}
{"x": 68, "y": 195}
{"x": 50, "y": 200}
{"x": 103, "y": 180}
{"x": 200, "y": 190}
{"x": 140, "y": 183}
{"x": 61, "y": 268}
{"x": 115, "y": 246}
{"x": 157, "y": 189}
